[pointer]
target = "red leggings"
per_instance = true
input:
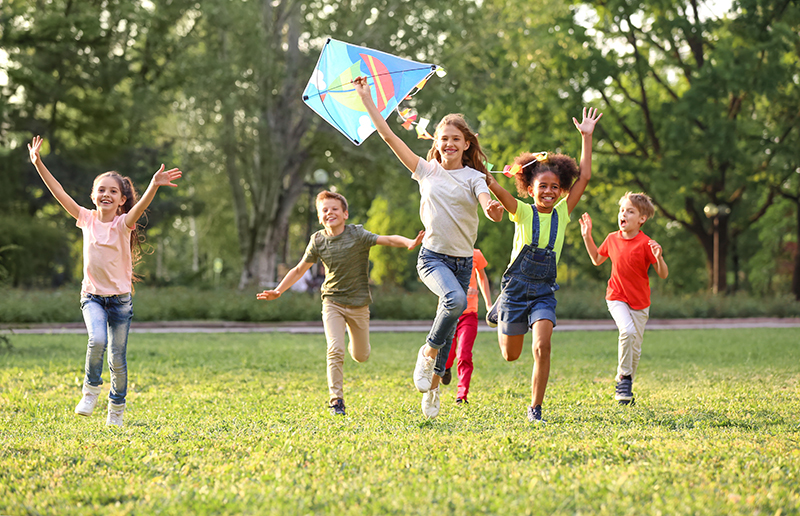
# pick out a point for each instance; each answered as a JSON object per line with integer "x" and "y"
{"x": 466, "y": 331}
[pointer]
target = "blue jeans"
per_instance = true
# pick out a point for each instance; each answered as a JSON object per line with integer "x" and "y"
{"x": 447, "y": 277}
{"x": 108, "y": 319}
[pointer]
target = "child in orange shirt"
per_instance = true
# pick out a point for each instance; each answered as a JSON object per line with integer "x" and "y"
{"x": 628, "y": 293}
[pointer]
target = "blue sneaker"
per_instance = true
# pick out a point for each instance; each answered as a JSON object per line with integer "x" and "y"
{"x": 535, "y": 414}
{"x": 337, "y": 408}
{"x": 624, "y": 391}
{"x": 491, "y": 316}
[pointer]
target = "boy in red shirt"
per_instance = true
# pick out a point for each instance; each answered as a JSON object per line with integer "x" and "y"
{"x": 628, "y": 293}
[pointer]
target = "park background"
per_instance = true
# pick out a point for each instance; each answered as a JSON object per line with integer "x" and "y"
{"x": 701, "y": 108}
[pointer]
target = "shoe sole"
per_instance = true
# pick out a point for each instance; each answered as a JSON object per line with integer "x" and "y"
{"x": 84, "y": 414}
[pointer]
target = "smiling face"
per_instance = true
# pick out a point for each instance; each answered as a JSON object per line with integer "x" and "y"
{"x": 630, "y": 219}
{"x": 545, "y": 190}
{"x": 332, "y": 215}
{"x": 451, "y": 144}
{"x": 107, "y": 195}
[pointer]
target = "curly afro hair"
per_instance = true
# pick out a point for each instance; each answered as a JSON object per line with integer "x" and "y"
{"x": 564, "y": 167}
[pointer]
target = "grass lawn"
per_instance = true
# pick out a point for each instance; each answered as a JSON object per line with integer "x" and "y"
{"x": 237, "y": 424}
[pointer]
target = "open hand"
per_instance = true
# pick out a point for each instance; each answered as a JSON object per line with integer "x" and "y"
{"x": 417, "y": 241}
{"x": 656, "y": 248}
{"x": 586, "y": 225}
{"x": 268, "y": 295}
{"x": 33, "y": 148}
{"x": 166, "y": 177}
{"x": 494, "y": 210}
{"x": 590, "y": 118}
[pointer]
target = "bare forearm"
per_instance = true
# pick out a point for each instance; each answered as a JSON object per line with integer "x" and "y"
{"x": 508, "y": 201}
{"x": 591, "y": 248}
{"x": 139, "y": 208}
{"x": 661, "y": 268}
{"x": 395, "y": 241}
{"x": 63, "y": 198}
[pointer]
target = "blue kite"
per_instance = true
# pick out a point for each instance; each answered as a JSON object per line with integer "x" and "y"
{"x": 331, "y": 94}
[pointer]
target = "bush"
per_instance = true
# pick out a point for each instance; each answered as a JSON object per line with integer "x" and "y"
{"x": 193, "y": 304}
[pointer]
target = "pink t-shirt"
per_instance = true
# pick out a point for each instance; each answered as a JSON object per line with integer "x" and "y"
{"x": 630, "y": 260}
{"x": 107, "y": 264}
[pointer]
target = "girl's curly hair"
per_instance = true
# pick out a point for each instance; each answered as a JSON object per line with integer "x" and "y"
{"x": 564, "y": 167}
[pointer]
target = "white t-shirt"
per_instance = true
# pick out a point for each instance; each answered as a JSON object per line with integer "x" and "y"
{"x": 107, "y": 265}
{"x": 449, "y": 207}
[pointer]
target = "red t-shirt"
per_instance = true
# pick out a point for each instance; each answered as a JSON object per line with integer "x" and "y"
{"x": 630, "y": 260}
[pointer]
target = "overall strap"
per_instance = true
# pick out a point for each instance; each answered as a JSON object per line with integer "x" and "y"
{"x": 553, "y": 229}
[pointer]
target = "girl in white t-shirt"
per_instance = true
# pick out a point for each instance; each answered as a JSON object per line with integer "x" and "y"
{"x": 452, "y": 182}
{"x": 111, "y": 248}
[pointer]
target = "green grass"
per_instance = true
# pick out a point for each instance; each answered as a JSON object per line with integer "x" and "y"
{"x": 235, "y": 424}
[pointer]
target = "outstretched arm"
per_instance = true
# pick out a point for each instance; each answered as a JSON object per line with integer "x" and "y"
{"x": 588, "y": 240}
{"x": 52, "y": 184}
{"x": 660, "y": 266}
{"x": 292, "y": 277}
{"x": 491, "y": 208}
{"x": 508, "y": 201}
{"x": 398, "y": 146}
{"x": 160, "y": 178}
{"x": 586, "y": 127}
{"x": 400, "y": 241}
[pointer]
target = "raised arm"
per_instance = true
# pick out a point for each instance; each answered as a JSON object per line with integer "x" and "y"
{"x": 292, "y": 277}
{"x": 160, "y": 178}
{"x": 586, "y": 127}
{"x": 660, "y": 266}
{"x": 52, "y": 184}
{"x": 588, "y": 240}
{"x": 398, "y": 146}
{"x": 400, "y": 241}
{"x": 508, "y": 201}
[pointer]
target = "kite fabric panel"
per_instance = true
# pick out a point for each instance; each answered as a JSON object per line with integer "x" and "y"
{"x": 331, "y": 94}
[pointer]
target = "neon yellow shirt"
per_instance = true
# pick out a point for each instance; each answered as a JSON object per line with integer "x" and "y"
{"x": 523, "y": 227}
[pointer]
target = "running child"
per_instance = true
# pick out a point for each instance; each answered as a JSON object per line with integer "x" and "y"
{"x": 467, "y": 329}
{"x": 452, "y": 183}
{"x": 344, "y": 249}
{"x": 527, "y": 299}
{"x": 628, "y": 293}
{"x": 111, "y": 249}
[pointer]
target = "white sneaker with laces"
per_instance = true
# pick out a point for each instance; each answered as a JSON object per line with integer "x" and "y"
{"x": 423, "y": 371}
{"x": 85, "y": 407}
{"x": 115, "y": 414}
{"x": 431, "y": 403}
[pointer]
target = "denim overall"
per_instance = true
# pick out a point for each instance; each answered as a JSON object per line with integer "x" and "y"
{"x": 531, "y": 276}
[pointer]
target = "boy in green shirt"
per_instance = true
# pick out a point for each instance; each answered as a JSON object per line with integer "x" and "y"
{"x": 344, "y": 250}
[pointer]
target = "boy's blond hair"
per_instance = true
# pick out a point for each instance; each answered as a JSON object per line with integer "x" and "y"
{"x": 325, "y": 194}
{"x": 642, "y": 202}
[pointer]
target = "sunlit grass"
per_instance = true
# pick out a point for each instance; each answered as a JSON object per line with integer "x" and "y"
{"x": 236, "y": 424}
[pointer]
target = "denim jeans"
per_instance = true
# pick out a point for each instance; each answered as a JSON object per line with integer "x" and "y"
{"x": 108, "y": 319}
{"x": 447, "y": 277}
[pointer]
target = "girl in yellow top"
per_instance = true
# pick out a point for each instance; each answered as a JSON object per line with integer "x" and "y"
{"x": 527, "y": 298}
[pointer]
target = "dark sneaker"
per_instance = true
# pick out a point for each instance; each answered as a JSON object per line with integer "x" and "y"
{"x": 461, "y": 401}
{"x": 337, "y": 408}
{"x": 535, "y": 414}
{"x": 448, "y": 375}
{"x": 491, "y": 316}
{"x": 624, "y": 391}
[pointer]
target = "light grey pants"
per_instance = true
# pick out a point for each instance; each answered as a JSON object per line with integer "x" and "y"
{"x": 631, "y": 325}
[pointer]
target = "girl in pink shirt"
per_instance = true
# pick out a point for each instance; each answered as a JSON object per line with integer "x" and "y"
{"x": 111, "y": 248}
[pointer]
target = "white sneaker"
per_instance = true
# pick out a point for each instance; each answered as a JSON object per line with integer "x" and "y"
{"x": 85, "y": 407}
{"x": 423, "y": 371}
{"x": 115, "y": 414}
{"x": 431, "y": 403}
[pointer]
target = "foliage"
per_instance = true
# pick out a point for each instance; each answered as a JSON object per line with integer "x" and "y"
{"x": 18, "y": 306}
{"x": 19, "y": 266}
{"x": 237, "y": 424}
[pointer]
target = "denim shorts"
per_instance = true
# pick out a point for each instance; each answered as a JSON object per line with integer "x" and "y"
{"x": 523, "y": 303}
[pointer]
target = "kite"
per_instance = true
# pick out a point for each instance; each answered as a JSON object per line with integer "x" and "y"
{"x": 331, "y": 94}
{"x": 512, "y": 170}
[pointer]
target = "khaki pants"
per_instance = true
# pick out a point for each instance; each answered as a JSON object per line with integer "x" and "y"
{"x": 631, "y": 333}
{"x": 335, "y": 318}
